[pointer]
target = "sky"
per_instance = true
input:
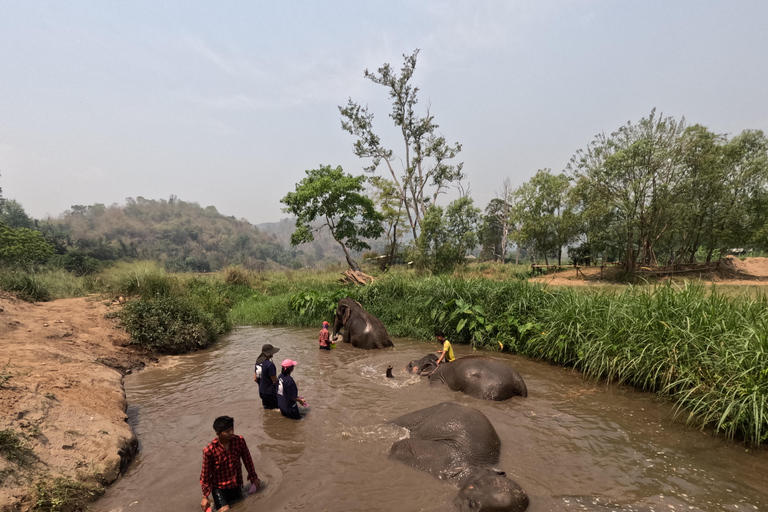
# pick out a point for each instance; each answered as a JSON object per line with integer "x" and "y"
{"x": 228, "y": 103}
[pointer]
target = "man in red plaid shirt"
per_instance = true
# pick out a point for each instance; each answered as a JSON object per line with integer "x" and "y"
{"x": 222, "y": 472}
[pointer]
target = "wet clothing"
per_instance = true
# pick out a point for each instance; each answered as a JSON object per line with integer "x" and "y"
{"x": 267, "y": 388}
{"x": 287, "y": 392}
{"x": 223, "y": 497}
{"x": 222, "y": 468}
{"x": 325, "y": 339}
{"x": 448, "y": 349}
{"x": 268, "y": 401}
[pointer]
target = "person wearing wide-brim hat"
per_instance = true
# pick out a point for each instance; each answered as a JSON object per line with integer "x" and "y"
{"x": 265, "y": 374}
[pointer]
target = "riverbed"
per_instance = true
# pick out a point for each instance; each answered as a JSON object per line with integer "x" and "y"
{"x": 573, "y": 444}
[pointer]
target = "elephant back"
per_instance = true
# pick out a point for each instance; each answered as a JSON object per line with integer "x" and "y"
{"x": 465, "y": 429}
{"x": 484, "y": 378}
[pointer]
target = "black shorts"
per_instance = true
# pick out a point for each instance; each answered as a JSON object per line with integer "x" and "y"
{"x": 325, "y": 348}
{"x": 268, "y": 401}
{"x": 223, "y": 497}
{"x": 292, "y": 413}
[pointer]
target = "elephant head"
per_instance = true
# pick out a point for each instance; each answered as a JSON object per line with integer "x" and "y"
{"x": 423, "y": 366}
{"x": 489, "y": 490}
{"x": 361, "y": 329}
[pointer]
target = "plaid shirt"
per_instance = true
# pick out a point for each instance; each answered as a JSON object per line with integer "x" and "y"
{"x": 222, "y": 468}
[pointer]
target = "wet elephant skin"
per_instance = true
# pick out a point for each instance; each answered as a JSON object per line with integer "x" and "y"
{"x": 361, "y": 329}
{"x": 481, "y": 377}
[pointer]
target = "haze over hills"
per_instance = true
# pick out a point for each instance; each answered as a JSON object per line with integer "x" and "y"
{"x": 183, "y": 235}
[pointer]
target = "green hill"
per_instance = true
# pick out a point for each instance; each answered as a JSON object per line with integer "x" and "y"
{"x": 185, "y": 236}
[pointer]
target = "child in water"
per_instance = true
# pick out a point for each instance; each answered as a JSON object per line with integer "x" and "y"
{"x": 325, "y": 337}
{"x": 288, "y": 393}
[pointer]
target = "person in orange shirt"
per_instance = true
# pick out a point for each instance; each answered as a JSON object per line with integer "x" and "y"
{"x": 325, "y": 337}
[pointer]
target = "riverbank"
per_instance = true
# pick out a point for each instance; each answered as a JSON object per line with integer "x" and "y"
{"x": 63, "y": 429}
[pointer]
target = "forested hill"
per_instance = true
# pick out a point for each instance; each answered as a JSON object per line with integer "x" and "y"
{"x": 185, "y": 236}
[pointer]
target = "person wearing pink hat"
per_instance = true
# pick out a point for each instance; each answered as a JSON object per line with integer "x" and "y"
{"x": 288, "y": 393}
{"x": 325, "y": 337}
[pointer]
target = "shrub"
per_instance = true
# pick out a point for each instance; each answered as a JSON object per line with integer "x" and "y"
{"x": 26, "y": 285}
{"x": 65, "y": 495}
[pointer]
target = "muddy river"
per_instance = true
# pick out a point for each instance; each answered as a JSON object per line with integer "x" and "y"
{"x": 572, "y": 444}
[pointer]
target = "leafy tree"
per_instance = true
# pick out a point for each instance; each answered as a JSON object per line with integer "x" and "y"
{"x": 426, "y": 155}
{"x": 335, "y": 198}
{"x": 548, "y": 220}
{"x": 22, "y": 246}
{"x": 447, "y": 235}
{"x": 386, "y": 198}
{"x": 12, "y": 214}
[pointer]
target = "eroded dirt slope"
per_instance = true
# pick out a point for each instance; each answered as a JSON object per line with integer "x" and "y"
{"x": 58, "y": 394}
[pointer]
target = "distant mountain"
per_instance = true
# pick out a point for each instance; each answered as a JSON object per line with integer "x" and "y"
{"x": 183, "y": 235}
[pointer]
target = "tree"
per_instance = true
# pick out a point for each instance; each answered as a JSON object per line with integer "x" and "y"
{"x": 426, "y": 172}
{"x": 386, "y": 198}
{"x": 335, "y": 198}
{"x": 447, "y": 235}
{"x": 548, "y": 221}
{"x": 12, "y": 214}
{"x": 22, "y": 246}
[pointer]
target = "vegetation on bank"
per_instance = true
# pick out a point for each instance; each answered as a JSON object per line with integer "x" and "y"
{"x": 705, "y": 350}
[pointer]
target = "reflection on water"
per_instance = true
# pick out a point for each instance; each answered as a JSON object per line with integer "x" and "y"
{"x": 572, "y": 444}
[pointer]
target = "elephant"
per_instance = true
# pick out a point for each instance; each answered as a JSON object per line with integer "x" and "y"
{"x": 361, "y": 329}
{"x": 423, "y": 366}
{"x": 457, "y": 442}
{"x": 478, "y": 376}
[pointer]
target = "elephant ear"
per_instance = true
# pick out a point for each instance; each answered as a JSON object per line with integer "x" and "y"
{"x": 345, "y": 315}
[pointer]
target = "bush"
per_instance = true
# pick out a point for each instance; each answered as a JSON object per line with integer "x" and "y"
{"x": 26, "y": 285}
{"x": 65, "y": 495}
{"x": 171, "y": 324}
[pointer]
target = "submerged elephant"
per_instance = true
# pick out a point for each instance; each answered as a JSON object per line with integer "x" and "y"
{"x": 423, "y": 366}
{"x": 361, "y": 329}
{"x": 478, "y": 376}
{"x": 453, "y": 441}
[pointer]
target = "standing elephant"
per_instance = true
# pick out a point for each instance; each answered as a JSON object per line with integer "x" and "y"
{"x": 361, "y": 329}
{"x": 478, "y": 376}
{"x": 453, "y": 441}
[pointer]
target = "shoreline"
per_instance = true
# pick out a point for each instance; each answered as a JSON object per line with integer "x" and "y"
{"x": 62, "y": 402}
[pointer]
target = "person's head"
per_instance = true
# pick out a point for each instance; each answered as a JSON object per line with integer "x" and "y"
{"x": 224, "y": 427}
{"x": 326, "y": 325}
{"x": 440, "y": 335}
{"x": 288, "y": 365}
{"x": 267, "y": 351}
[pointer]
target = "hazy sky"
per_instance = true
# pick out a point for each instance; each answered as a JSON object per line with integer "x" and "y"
{"x": 227, "y": 103}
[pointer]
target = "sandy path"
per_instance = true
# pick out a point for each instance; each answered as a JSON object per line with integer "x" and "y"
{"x": 60, "y": 396}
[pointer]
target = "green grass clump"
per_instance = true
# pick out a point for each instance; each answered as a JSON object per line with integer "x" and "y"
{"x": 65, "y": 495}
{"x": 12, "y": 449}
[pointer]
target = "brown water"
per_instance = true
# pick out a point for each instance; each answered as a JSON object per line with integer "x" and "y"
{"x": 572, "y": 444}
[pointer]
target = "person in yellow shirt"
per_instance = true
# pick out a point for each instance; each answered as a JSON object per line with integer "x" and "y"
{"x": 447, "y": 353}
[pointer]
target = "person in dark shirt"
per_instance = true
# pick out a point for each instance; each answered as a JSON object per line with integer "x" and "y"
{"x": 265, "y": 374}
{"x": 325, "y": 337}
{"x": 222, "y": 473}
{"x": 287, "y": 392}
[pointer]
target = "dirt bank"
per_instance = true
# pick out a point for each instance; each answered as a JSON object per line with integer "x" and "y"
{"x": 61, "y": 396}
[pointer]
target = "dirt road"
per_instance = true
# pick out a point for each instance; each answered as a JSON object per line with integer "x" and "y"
{"x": 61, "y": 396}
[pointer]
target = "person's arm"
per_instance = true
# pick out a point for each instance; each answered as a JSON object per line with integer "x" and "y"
{"x": 205, "y": 481}
{"x": 273, "y": 375}
{"x": 245, "y": 454}
{"x": 442, "y": 356}
{"x": 294, "y": 394}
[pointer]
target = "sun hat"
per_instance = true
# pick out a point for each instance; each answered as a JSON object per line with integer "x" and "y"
{"x": 287, "y": 363}
{"x": 266, "y": 351}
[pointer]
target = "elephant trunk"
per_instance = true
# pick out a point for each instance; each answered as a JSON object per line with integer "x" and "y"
{"x": 389, "y": 372}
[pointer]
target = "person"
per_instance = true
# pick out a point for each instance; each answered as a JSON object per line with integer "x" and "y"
{"x": 222, "y": 473}
{"x": 447, "y": 353}
{"x": 325, "y": 337}
{"x": 265, "y": 374}
{"x": 288, "y": 393}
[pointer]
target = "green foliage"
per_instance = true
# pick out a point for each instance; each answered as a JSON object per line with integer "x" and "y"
{"x": 336, "y": 199}
{"x": 12, "y": 449}
{"x": 27, "y": 285}
{"x": 78, "y": 263}
{"x": 446, "y": 237}
{"x": 183, "y": 235}
{"x": 65, "y": 495}
{"x": 12, "y": 214}
{"x": 317, "y": 305}
{"x": 22, "y": 246}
